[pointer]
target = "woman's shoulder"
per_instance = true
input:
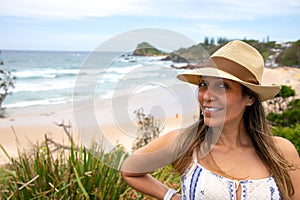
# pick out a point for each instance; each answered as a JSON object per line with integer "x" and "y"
{"x": 287, "y": 148}
{"x": 290, "y": 153}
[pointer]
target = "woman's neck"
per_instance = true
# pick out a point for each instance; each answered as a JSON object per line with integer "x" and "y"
{"x": 234, "y": 136}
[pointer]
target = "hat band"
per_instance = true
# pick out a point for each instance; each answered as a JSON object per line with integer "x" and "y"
{"x": 232, "y": 68}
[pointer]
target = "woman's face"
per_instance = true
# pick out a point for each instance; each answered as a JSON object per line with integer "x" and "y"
{"x": 222, "y": 101}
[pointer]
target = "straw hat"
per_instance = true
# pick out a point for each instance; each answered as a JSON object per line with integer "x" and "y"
{"x": 236, "y": 61}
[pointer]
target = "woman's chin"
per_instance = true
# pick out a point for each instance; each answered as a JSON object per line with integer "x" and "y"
{"x": 214, "y": 122}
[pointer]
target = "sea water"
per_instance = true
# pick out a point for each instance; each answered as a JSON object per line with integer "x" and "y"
{"x": 103, "y": 89}
{"x": 57, "y": 77}
{"x": 41, "y": 77}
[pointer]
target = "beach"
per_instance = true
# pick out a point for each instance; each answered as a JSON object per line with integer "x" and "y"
{"x": 111, "y": 121}
{"x": 102, "y": 121}
{"x": 289, "y": 76}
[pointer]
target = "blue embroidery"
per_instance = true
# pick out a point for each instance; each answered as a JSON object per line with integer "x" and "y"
{"x": 244, "y": 191}
{"x": 231, "y": 190}
{"x": 183, "y": 188}
{"x": 274, "y": 189}
{"x": 190, "y": 182}
{"x": 194, "y": 182}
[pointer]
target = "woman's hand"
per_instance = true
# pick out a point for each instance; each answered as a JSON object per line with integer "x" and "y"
{"x": 136, "y": 168}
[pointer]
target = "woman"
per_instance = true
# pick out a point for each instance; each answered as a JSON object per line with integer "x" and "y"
{"x": 230, "y": 153}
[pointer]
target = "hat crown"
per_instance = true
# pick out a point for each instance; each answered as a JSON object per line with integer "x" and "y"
{"x": 245, "y": 55}
{"x": 236, "y": 61}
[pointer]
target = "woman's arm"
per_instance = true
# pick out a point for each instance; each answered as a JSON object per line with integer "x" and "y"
{"x": 292, "y": 156}
{"x": 135, "y": 169}
{"x": 146, "y": 184}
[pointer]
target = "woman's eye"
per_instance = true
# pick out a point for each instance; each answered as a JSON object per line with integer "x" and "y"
{"x": 222, "y": 86}
{"x": 202, "y": 85}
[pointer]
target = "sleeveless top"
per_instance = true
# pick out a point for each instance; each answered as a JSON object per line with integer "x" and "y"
{"x": 198, "y": 183}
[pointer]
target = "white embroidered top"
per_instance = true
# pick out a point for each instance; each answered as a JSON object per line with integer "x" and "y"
{"x": 198, "y": 183}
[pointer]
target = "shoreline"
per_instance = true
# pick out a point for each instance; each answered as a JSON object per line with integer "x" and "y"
{"x": 108, "y": 121}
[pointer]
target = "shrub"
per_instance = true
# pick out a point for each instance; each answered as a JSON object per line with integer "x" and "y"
{"x": 290, "y": 133}
{"x": 290, "y": 117}
{"x": 148, "y": 129}
{"x": 6, "y": 84}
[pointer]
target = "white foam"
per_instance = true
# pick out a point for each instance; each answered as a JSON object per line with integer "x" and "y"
{"x": 22, "y": 104}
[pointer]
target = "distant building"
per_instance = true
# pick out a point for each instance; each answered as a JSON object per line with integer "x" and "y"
{"x": 284, "y": 44}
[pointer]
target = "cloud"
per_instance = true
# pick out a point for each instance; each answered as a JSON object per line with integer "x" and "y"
{"x": 263, "y": 7}
{"x": 82, "y": 24}
{"x": 67, "y": 9}
{"x": 187, "y": 9}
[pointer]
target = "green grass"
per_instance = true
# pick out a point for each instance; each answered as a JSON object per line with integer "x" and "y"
{"x": 75, "y": 173}
{"x": 71, "y": 173}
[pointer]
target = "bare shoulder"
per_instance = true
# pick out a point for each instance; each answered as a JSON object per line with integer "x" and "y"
{"x": 290, "y": 153}
{"x": 159, "y": 142}
{"x": 288, "y": 149}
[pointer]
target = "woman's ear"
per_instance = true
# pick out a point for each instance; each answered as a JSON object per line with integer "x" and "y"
{"x": 250, "y": 100}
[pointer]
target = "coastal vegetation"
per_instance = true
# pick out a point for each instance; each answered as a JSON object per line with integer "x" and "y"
{"x": 290, "y": 56}
{"x": 285, "y": 115}
{"x": 6, "y": 86}
{"x": 71, "y": 172}
{"x": 149, "y": 128}
{"x": 54, "y": 171}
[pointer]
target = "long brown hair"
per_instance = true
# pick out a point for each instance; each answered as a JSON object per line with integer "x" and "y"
{"x": 259, "y": 131}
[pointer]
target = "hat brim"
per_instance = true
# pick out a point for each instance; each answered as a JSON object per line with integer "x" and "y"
{"x": 265, "y": 92}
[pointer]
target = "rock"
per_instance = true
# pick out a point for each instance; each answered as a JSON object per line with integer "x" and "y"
{"x": 188, "y": 66}
{"x": 175, "y": 58}
{"x": 145, "y": 49}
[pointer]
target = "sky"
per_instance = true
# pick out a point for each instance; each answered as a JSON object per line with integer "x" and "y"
{"x": 82, "y": 25}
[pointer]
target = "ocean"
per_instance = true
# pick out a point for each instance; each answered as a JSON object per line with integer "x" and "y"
{"x": 41, "y": 77}
{"x": 57, "y": 77}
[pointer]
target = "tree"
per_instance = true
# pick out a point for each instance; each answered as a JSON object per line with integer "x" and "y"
{"x": 6, "y": 84}
{"x": 291, "y": 55}
{"x": 212, "y": 41}
{"x": 222, "y": 40}
{"x": 206, "y": 41}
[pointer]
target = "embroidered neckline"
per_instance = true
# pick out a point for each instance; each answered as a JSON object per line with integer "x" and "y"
{"x": 233, "y": 180}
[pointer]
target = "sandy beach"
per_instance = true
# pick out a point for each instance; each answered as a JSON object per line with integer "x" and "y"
{"x": 25, "y": 127}
{"x": 110, "y": 122}
{"x": 283, "y": 76}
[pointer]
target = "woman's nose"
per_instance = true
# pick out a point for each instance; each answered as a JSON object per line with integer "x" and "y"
{"x": 207, "y": 95}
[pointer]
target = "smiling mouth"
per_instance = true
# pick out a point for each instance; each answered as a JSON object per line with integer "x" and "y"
{"x": 212, "y": 109}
